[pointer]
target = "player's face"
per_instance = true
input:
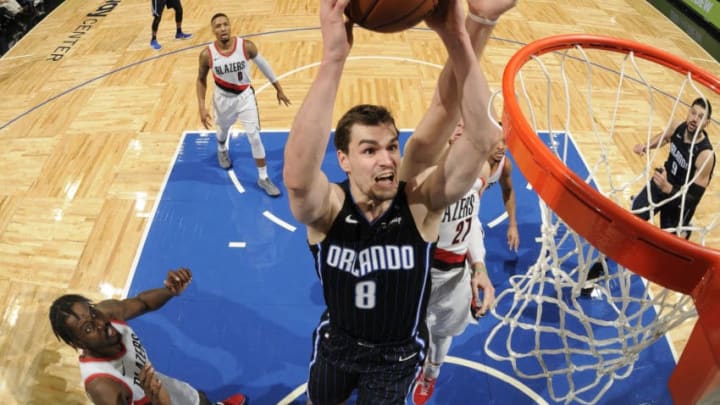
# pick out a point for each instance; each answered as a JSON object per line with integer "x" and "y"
{"x": 695, "y": 116}
{"x": 221, "y": 28}
{"x": 372, "y": 161}
{"x": 92, "y": 329}
{"x": 499, "y": 150}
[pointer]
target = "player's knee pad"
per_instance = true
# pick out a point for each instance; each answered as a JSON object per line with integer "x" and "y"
{"x": 156, "y": 23}
{"x": 256, "y": 145}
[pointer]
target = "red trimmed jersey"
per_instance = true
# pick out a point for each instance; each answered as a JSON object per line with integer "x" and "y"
{"x": 125, "y": 368}
{"x": 455, "y": 226}
{"x": 230, "y": 70}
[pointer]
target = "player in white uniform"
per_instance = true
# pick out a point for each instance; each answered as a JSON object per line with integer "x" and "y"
{"x": 458, "y": 272}
{"x": 461, "y": 244}
{"x": 114, "y": 365}
{"x": 453, "y": 287}
{"x": 234, "y": 98}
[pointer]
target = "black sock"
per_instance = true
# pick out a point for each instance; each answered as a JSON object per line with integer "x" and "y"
{"x": 179, "y": 30}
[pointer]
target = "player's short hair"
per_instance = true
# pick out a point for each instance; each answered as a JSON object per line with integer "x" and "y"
{"x": 218, "y": 15}
{"x": 60, "y": 311}
{"x": 704, "y": 104}
{"x": 364, "y": 114}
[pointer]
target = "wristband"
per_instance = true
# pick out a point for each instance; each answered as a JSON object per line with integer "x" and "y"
{"x": 482, "y": 20}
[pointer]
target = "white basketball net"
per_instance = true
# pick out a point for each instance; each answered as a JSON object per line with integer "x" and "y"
{"x": 582, "y": 344}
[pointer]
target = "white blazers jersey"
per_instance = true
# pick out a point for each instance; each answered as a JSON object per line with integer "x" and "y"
{"x": 231, "y": 70}
{"x": 125, "y": 369}
{"x": 453, "y": 239}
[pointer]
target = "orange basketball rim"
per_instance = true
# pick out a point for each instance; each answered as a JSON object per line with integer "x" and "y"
{"x": 656, "y": 255}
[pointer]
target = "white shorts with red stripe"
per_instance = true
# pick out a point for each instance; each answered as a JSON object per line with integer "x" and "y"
{"x": 230, "y": 108}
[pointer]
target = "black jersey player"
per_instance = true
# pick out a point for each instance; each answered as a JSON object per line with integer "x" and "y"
{"x": 690, "y": 161}
{"x": 372, "y": 236}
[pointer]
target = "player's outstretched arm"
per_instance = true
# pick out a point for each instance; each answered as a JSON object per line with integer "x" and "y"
{"x": 459, "y": 169}
{"x": 425, "y": 146}
{"x": 657, "y": 141}
{"x": 150, "y": 300}
{"x": 309, "y": 191}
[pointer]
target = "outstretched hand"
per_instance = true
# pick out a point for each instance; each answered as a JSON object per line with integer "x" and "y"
{"x": 336, "y": 32}
{"x": 152, "y": 386}
{"x": 178, "y": 280}
{"x": 639, "y": 149}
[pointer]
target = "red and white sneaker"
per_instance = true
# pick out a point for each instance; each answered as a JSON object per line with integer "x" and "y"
{"x": 423, "y": 390}
{"x": 237, "y": 399}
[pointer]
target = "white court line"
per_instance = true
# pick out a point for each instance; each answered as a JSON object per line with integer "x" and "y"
{"x": 235, "y": 181}
{"x": 237, "y": 244}
{"x": 517, "y": 384}
{"x": 496, "y": 221}
{"x": 293, "y": 395}
{"x": 270, "y": 216}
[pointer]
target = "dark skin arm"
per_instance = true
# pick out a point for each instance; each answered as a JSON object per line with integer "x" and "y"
{"x": 201, "y": 87}
{"x": 513, "y": 237}
{"x": 150, "y": 300}
{"x": 252, "y": 52}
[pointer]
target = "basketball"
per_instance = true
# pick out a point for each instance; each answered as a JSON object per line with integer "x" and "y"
{"x": 389, "y": 15}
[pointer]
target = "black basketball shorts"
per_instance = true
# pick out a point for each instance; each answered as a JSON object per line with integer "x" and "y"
{"x": 381, "y": 374}
{"x": 159, "y": 5}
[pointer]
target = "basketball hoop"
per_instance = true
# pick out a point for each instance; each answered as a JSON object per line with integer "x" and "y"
{"x": 583, "y": 227}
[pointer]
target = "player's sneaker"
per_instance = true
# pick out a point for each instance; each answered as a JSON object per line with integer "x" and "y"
{"x": 182, "y": 35}
{"x": 423, "y": 389}
{"x": 224, "y": 159}
{"x": 596, "y": 271}
{"x": 270, "y": 188}
{"x": 237, "y": 399}
{"x": 155, "y": 44}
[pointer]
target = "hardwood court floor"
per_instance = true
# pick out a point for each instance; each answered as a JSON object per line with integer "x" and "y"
{"x": 90, "y": 118}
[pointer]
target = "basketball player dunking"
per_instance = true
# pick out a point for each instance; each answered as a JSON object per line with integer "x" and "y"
{"x": 373, "y": 235}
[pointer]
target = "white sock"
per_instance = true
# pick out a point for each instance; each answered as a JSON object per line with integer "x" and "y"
{"x": 432, "y": 370}
{"x": 439, "y": 348}
{"x": 262, "y": 172}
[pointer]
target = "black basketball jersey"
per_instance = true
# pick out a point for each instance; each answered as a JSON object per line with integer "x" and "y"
{"x": 375, "y": 275}
{"x": 678, "y": 162}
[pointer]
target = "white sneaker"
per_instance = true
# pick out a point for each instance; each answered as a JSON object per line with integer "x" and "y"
{"x": 270, "y": 188}
{"x": 224, "y": 159}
